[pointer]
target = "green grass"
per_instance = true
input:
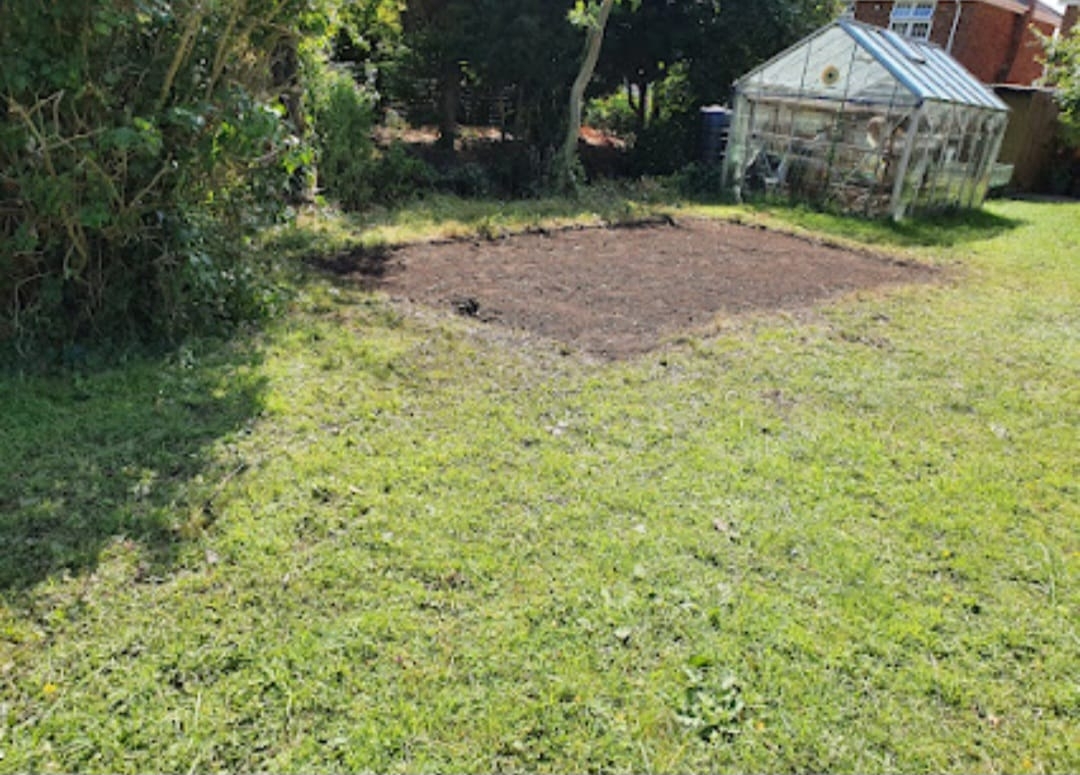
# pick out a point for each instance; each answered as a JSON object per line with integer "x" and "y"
{"x": 845, "y": 541}
{"x": 326, "y": 230}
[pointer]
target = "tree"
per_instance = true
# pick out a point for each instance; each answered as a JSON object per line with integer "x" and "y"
{"x": 527, "y": 50}
{"x": 732, "y": 41}
{"x": 1062, "y": 61}
{"x": 594, "y": 19}
{"x": 642, "y": 47}
{"x": 712, "y": 43}
{"x": 439, "y": 34}
{"x": 674, "y": 56}
{"x": 369, "y": 39}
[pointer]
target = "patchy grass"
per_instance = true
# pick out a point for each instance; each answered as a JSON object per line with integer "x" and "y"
{"x": 838, "y": 542}
{"x": 326, "y": 230}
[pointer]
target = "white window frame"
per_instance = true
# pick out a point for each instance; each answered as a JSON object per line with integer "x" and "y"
{"x": 913, "y": 18}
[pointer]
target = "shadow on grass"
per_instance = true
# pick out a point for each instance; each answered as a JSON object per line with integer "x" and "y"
{"x": 941, "y": 230}
{"x": 363, "y": 267}
{"x": 128, "y": 453}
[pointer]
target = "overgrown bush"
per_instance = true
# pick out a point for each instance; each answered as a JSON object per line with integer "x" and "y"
{"x": 613, "y": 113}
{"x": 398, "y": 176}
{"x": 702, "y": 181}
{"x": 1062, "y": 59}
{"x": 352, "y": 171}
{"x": 141, "y": 143}
{"x": 467, "y": 179}
{"x": 520, "y": 170}
{"x": 344, "y": 117}
{"x": 666, "y": 145}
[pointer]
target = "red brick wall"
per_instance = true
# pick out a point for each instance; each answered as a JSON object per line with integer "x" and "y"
{"x": 873, "y": 13}
{"x": 1027, "y": 69}
{"x": 982, "y": 38}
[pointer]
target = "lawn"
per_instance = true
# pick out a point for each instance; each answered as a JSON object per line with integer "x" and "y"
{"x": 390, "y": 539}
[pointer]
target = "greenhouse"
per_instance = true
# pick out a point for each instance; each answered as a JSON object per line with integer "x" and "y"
{"x": 864, "y": 120}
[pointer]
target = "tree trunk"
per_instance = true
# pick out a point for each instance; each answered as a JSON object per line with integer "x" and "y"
{"x": 449, "y": 98}
{"x": 564, "y": 172}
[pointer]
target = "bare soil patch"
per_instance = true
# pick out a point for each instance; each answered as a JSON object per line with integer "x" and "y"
{"x": 619, "y": 292}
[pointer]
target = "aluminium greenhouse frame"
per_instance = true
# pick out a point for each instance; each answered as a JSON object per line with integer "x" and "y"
{"x": 859, "y": 118}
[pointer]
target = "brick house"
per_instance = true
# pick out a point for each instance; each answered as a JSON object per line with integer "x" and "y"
{"x": 994, "y": 39}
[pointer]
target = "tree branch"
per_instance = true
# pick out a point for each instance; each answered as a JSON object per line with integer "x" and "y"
{"x": 187, "y": 41}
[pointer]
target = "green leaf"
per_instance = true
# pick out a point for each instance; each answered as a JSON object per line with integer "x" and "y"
{"x": 94, "y": 215}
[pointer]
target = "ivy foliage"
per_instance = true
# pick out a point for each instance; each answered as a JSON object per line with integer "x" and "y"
{"x": 140, "y": 142}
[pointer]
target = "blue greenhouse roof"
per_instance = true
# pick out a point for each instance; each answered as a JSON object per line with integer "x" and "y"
{"x": 924, "y": 68}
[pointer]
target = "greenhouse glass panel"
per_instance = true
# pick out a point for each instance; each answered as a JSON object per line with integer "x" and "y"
{"x": 864, "y": 120}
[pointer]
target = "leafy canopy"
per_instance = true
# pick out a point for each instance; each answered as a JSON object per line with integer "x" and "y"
{"x": 1062, "y": 61}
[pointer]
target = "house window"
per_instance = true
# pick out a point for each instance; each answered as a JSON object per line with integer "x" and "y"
{"x": 912, "y": 18}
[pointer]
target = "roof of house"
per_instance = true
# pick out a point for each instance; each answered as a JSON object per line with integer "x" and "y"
{"x": 855, "y": 62}
{"x": 1049, "y": 10}
{"x": 1044, "y": 12}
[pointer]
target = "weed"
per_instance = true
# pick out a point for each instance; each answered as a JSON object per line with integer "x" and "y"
{"x": 712, "y": 708}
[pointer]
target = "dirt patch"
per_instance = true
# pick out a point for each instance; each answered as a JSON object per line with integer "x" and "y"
{"x": 617, "y": 293}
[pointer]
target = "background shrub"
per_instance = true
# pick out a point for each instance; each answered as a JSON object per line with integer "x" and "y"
{"x": 140, "y": 148}
{"x": 613, "y": 113}
{"x": 344, "y": 118}
{"x": 702, "y": 181}
{"x": 398, "y": 176}
{"x": 352, "y": 170}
